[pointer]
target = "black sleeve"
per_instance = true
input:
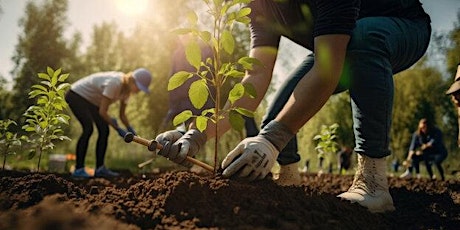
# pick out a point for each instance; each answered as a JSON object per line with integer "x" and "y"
{"x": 336, "y": 16}
{"x": 262, "y": 34}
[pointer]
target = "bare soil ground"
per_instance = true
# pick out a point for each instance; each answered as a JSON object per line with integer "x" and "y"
{"x": 186, "y": 200}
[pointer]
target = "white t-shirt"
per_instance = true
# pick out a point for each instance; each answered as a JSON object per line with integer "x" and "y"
{"x": 97, "y": 85}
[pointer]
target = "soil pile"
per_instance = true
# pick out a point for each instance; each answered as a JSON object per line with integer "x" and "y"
{"x": 186, "y": 200}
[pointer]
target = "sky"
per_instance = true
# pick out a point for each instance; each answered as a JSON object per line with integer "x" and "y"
{"x": 83, "y": 14}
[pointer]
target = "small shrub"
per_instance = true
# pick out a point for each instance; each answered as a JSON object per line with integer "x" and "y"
{"x": 8, "y": 140}
{"x": 326, "y": 143}
{"x": 220, "y": 39}
{"x": 45, "y": 119}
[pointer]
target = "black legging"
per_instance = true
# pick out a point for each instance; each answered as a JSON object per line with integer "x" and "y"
{"x": 429, "y": 158}
{"x": 86, "y": 114}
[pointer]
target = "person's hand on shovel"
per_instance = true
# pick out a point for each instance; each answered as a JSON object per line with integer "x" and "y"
{"x": 188, "y": 144}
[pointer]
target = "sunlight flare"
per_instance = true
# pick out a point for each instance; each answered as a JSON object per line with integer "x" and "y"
{"x": 132, "y": 7}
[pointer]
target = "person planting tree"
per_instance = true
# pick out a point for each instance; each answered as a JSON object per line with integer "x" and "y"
{"x": 89, "y": 99}
{"x": 356, "y": 45}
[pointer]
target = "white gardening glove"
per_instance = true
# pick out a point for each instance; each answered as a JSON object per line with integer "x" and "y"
{"x": 255, "y": 156}
{"x": 253, "y": 159}
{"x": 167, "y": 139}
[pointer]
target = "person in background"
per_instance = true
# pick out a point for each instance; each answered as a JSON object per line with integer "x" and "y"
{"x": 427, "y": 145}
{"x": 344, "y": 159}
{"x": 356, "y": 45}
{"x": 454, "y": 93}
{"x": 89, "y": 99}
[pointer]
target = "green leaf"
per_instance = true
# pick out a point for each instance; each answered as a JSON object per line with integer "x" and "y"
{"x": 193, "y": 54}
{"x": 31, "y": 154}
{"x": 236, "y": 120}
{"x": 40, "y": 87}
{"x": 228, "y": 43}
{"x": 182, "y": 117}
{"x": 250, "y": 90}
{"x": 44, "y": 76}
{"x": 236, "y": 93}
{"x": 206, "y": 112}
{"x": 201, "y": 123}
{"x": 205, "y": 36}
{"x": 63, "y": 77}
{"x": 245, "y": 20}
{"x": 235, "y": 73}
{"x": 56, "y": 73}
{"x": 245, "y": 11}
{"x": 248, "y": 62}
{"x": 198, "y": 93}
{"x": 245, "y": 112}
{"x": 192, "y": 17}
{"x": 178, "y": 79}
{"x": 63, "y": 87}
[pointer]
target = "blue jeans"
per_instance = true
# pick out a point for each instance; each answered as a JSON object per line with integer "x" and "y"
{"x": 379, "y": 48}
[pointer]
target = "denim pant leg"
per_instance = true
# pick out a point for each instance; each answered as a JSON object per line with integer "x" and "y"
{"x": 289, "y": 154}
{"x": 380, "y": 47}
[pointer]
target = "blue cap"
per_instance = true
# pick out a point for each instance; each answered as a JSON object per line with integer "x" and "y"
{"x": 142, "y": 77}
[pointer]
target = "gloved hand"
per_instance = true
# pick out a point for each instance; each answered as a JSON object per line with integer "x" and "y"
{"x": 187, "y": 145}
{"x": 253, "y": 158}
{"x": 131, "y": 130}
{"x": 170, "y": 136}
{"x": 190, "y": 144}
{"x": 121, "y": 132}
{"x": 167, "y": 139}
{"x": 115, "y": 122}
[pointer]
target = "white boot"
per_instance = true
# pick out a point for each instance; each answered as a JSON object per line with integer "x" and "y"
{"x": 370, "y": 185}
{"x": 289, "y": 175}
{"x": 407, "y": 174}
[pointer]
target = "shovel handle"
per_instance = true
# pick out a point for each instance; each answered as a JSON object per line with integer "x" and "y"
{"x": 153, "y": 145}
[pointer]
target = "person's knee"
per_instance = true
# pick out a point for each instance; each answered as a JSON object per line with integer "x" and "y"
{"x": 87, "y": 131}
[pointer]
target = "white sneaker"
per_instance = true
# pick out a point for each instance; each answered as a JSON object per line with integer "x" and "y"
{"x": 370, "y": 186}
{"x": 289, "y": 175}
{"x": 406, "y": 174}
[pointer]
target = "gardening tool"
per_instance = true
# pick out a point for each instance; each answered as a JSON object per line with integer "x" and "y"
{"x": 153, "y": 145}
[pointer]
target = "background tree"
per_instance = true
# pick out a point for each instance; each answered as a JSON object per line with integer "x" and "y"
{"x": 40, "y": 44}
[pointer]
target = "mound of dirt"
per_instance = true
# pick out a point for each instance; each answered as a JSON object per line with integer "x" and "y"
{"x": 187, "y": 200}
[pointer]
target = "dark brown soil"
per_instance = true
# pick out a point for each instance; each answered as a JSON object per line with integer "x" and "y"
{"x": 185, "y": 200}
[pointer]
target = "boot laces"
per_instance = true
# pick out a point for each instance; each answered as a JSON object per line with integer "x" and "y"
{"x": 366, "y": 177}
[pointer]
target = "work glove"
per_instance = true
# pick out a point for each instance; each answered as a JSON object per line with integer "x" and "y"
{"x": 187, "y": 145}
{"x": 121, "y": 132}
{"x": 115, "y": 122}
{"x": 170, "y": 136}
{"x": 131, "y": 130}
{"x": 254, "y": 157}
{"x": 167, "y": 139}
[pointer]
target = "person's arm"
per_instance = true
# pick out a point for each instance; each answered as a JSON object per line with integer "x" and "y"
{"x": 260, "y": 77}
{"x": 122, "y": 113}
{"x": 255, "y": 156}
{"x": 103, "y": 112}
{"x": 317, "y": 86}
